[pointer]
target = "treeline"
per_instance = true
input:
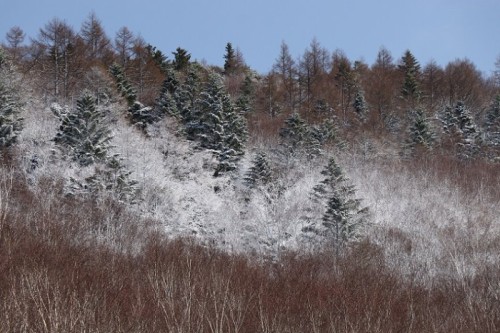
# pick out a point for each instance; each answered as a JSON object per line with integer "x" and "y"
{"x": 455, "y": 108}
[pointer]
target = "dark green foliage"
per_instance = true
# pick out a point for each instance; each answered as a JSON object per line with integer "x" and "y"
{"x": 111, "y": 179}
{"x": 260, "y": 171}
{"x": 215, "y": 124}
{"x": 181, "y": 59}
{"x": 123, "y": 85}
{"x": 359, "y": 105}
{"x": 459, "y": 125}
{"x": 492, "y": 123}
{"x": 410, "y": 68}
{"x": 167, "y": 102}
{"x": 298, "y": 137}
{"x": 10, "y": 122}
{"x": 139, "y": 114}
{"x": 421, "y": 135}
{"x": 343, "y": 215}
{"x": 229, "y": 59}
{"x": 244, "y": 101}
{"x": 83, "y": 134}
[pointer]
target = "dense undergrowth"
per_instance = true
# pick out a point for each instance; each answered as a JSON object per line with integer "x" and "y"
{"x": 75, "y": 265}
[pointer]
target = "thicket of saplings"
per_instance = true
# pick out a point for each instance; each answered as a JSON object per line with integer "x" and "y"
{"x": 64, "y": 272}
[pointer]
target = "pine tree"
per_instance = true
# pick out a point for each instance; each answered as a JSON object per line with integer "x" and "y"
{"x": 343, "y": 215}
{"x": 244, "y": 101}
{"x": 83, "y": 134}
{"x": 260, "y": 171}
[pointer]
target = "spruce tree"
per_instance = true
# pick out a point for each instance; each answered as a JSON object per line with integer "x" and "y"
{"x": 229, "y": 59}
{"x": 492, "y": 123}
{"x": 359, "y": 105}
{"x": 294, "y": 133}
{"x": 82, "y": 134}
{"x": 123, "y": 85}
{"x": 167, "y": 102}
{"x": 410, "y": 68}
{"x": 421, "y": 136}
{"x": 260, "y": 171}
{"x": 343, "y": 216}
{"x": 181, "y": 59}
{"x": 11, "y": 123}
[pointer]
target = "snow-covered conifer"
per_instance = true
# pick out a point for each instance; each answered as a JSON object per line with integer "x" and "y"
{"x": 82, "y": 133}
{"x": 343, "y": 216}
{"x": 260, "y": 171}
{"x": 492, "y": 123}
{"x": 421, "y": 135}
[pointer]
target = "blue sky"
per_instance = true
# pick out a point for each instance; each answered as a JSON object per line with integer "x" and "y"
{"x": 443, "y": 30}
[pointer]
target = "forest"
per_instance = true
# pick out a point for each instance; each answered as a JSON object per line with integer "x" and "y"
{"x": 142, "y": 190}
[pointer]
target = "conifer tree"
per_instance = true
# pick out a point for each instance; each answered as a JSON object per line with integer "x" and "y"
{"x": 123, "y": 85}
{"x": 421, "y": 136}
{"x": 83, "y": 135}
{"x": 410, "y": 68}
{"x": 244, "y": 101}
{"x": 167, "y": 102}
{"x": 459, "y": 125}
{"x": 110, "y": 178}
{"x": 343, "y": 216}
{"x": 260, "y": 171}
{"x": 181, "y": 59}
{"x": 492, "y": 123}
{"x": 359, "y": 105}
{"x": 294, "y": 132}
{"x": 229, "y": 59}
{"x": 10, "y": 122}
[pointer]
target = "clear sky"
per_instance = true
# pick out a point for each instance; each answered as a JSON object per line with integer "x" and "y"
{"x": 443, "y": 30}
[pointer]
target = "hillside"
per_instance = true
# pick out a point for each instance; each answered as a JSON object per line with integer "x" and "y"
{"x": 147, "y": 194}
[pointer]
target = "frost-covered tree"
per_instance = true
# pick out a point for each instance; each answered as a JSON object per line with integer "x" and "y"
{"x": 139, "y": 114}
{"x": 11, "y": 123}
{"x": 110, "y": 178}
{"x": 294, "y": 132}
{"x": 168, "y": 100}
{"x": 244, "y": 101}
{"x": 343, "y": 216}
{"x": 122, "y": 84}
{"x": 216, "y": 125}
{"x": 83, "y": 134}
{"x": 421, "y": 135}
{"x": 492, "y": 123}
{"x": 260, "y": 171}
{"x": 359, "y": 105}
{"x": 459, "y": 125}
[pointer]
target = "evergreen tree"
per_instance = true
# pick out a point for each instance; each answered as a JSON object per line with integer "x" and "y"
{"x": 359, "y": 105}
{"x": 187, "y": 95}
{"x": 10, "y": 122}
{"x": 294, "y": 132}
{"x": 216, "y": 125}
{"x": 421, "y": 135}
{"x": 123, "y": 85}
{"x": 260, "y": 171}
{"x": 410, "y": 68}
{"x": 110, "y": 178}
{"x": 244, "y": 101}
{"x": 343, "y": 215}
{"x": 459, "y": 125}
{"x": 181, "y": 59}
{"x": 492, "y": 123}
{"x": 167, "y": 102}
{"x": 229, "y": 59}
{"x": 83, "y": 134}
